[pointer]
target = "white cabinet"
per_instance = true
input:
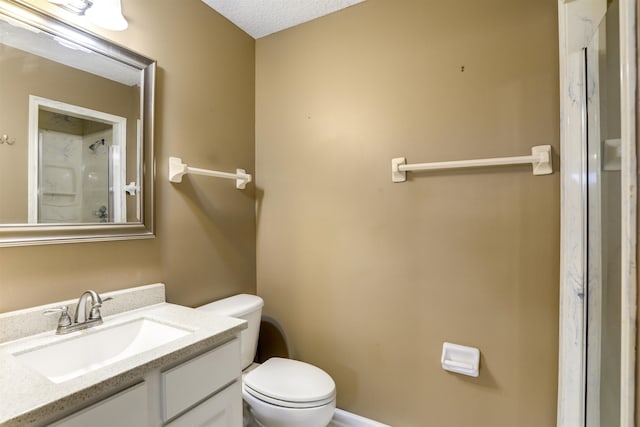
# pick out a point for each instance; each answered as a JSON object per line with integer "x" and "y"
{"x": 127, "y": 408}
{"x": 203, "y": 391}
{"x": 224, "y": 409}
{"x": 195, "y": 380}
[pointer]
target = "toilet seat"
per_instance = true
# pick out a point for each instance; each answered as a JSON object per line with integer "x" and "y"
{"x": 285, "y": 403}
{"x": 290, "y": 383}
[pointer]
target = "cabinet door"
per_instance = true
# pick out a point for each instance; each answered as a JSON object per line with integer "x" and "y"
{"x": 127, "y": 408}
{"x": 194, "y": 380}
{"x": 224, "y": 409}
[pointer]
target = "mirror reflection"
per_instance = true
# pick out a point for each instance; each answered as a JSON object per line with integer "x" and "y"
{"x": 76, "y": 96}
{"x": 77, "y": 163}
{"x": 77, "y": 111}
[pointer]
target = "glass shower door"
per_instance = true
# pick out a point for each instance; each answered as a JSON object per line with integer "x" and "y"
{"x": 603, "y": 228}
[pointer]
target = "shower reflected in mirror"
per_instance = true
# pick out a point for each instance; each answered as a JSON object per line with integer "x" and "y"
{"x": 77, "y": 160}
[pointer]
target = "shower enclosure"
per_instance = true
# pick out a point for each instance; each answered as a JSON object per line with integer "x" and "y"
{"x": 603, "y": 291}
{"x": 598, "y": 78}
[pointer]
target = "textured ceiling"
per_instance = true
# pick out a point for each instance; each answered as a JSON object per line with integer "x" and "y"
{"x": 259, "y": 18}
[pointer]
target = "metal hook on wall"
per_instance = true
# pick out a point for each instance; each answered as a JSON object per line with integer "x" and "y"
{"x": 4, "y": 139}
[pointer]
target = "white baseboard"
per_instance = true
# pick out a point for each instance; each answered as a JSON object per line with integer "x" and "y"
{"x": 347, "y": 419}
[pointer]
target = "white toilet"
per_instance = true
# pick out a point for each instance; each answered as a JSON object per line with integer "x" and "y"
{"x": 280, "y": 392}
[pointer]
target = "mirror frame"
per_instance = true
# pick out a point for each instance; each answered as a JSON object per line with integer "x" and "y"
{"x": 40, "y": 234}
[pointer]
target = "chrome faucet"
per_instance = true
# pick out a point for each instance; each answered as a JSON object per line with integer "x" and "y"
{"x": 87, "y": 314}
{"x": 94, "y": 308}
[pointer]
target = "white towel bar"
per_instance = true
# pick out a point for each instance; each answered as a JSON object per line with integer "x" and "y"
{"x": 540, "y": 159}
{"x": 177, "y": 169}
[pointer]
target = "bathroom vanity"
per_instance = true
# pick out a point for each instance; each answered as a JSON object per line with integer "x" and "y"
{"x": 149, "y": 364}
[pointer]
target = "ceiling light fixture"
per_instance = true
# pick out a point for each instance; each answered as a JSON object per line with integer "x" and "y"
{"x": 107, "y": 14}
{"x": 79, "y": 7}
{"x": 102, "y": 13}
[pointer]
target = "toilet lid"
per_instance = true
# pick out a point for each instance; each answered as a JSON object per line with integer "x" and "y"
{"x": 283, "y": 381}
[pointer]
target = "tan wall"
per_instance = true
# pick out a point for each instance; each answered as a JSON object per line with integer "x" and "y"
{"x": 368, "y": 277}
{"x": 57, "y": 82}
{"x": 637, "y": 388}
{"x": 205, "y": 245}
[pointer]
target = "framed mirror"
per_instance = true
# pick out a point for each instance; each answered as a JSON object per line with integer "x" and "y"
{"x": 76, "y": 133}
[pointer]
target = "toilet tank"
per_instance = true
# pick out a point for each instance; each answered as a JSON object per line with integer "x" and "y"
{"x": 246, "y": 307}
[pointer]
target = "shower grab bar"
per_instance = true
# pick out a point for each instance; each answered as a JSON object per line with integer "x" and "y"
{"x": 540, "y": 159}
{"x": 177, "y": 169}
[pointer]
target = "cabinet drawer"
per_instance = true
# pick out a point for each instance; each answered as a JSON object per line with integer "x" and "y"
{"x": 224, "y": 409}
{"x": 127, "y": 408}
{"x": 193, "y": 381}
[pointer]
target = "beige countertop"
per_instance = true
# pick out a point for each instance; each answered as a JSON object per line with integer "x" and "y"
{"x": 28, "y": 397}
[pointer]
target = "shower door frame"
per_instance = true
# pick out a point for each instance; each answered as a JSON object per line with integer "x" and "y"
{"x": 578, "y": 21}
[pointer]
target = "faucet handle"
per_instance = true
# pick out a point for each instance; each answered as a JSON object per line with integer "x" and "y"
{"x": 62, "y": 309}
{"x": 65, "y": 319}
{"x": 95, "y": 309}
{"x": 98, "y": 303}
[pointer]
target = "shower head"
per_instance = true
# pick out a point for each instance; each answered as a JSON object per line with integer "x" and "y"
{"x": 93, "y": 147}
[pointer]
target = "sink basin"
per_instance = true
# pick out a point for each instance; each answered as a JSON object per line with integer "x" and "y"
{"x": 91, "y": 349}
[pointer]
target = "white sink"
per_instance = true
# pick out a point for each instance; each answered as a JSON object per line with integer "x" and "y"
{"x": 91, "y": 349}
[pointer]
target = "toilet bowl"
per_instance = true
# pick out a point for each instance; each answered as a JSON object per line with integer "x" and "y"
{"x": 280, "y": 392}
{"x": 284, "y": 392}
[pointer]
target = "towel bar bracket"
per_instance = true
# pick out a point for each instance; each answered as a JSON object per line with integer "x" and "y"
{"x": 396, "y": 174}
